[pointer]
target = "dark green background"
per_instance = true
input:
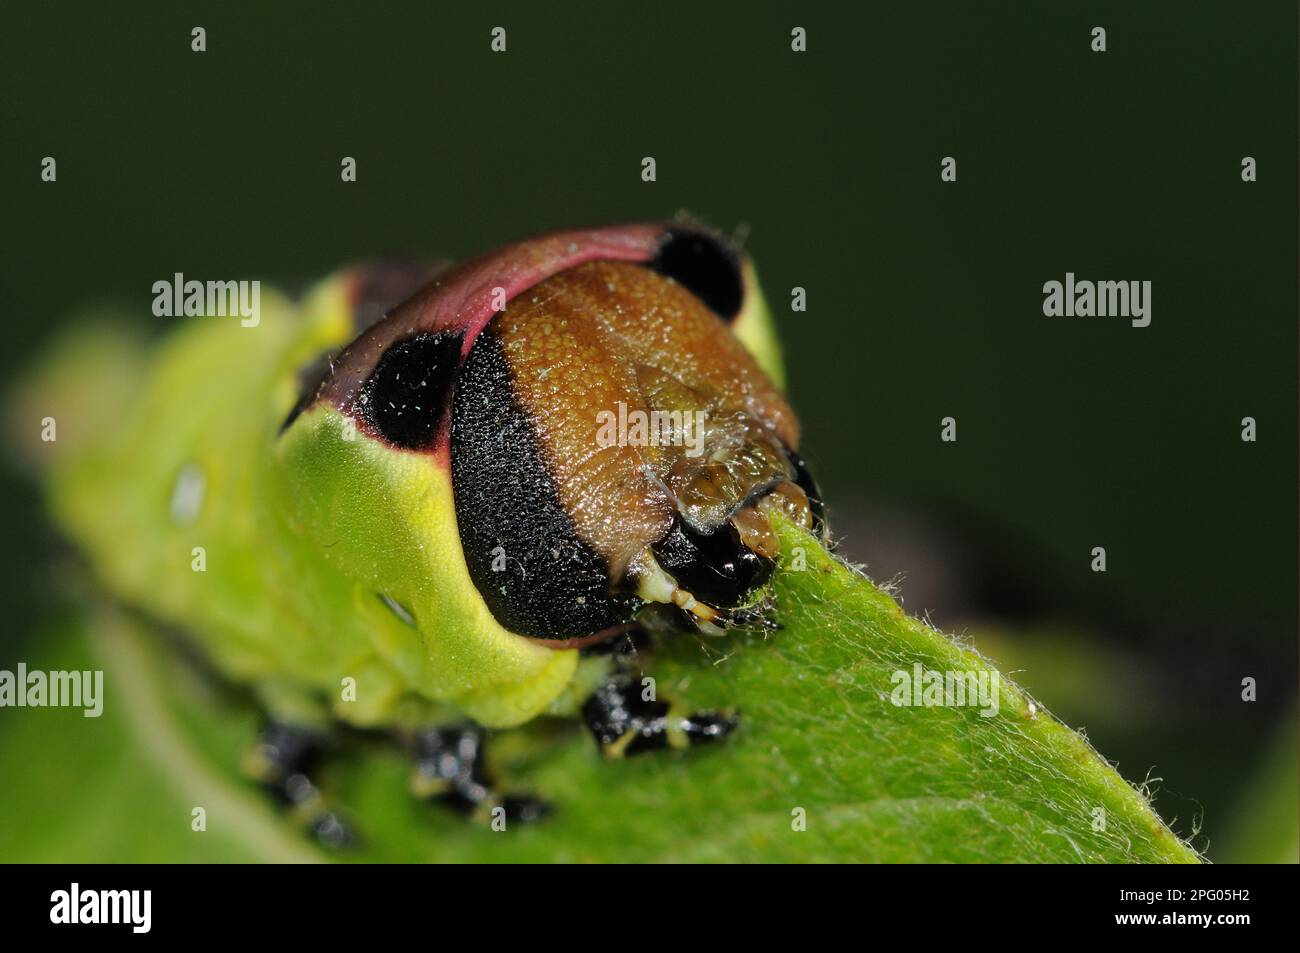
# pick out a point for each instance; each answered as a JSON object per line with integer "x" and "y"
{"x": 924, "y": 298}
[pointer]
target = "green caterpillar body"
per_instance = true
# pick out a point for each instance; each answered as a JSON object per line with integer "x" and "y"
{"x": 310, "y": 557}
{"x": 181, "y": 507}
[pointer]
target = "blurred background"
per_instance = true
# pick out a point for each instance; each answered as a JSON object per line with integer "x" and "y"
{"x": 924, "y": 298}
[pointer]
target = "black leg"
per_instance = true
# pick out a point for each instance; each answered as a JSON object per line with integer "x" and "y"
{"x": 283, "y": 761}
{"x": 625, "y": 723}
{"x": 449, "y": 767}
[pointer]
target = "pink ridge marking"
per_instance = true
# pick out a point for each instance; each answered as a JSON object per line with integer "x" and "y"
{"x": 465, "y": 300}
{"x": 461, "y": 300}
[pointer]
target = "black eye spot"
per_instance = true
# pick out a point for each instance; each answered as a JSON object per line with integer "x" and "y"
{"x": 405, "y": 398}
{"x": 705, "y": 266}
{"x": 717, "y": 568}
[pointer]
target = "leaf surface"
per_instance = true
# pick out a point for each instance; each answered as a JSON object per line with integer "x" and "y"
{"x": 820, "y": 740}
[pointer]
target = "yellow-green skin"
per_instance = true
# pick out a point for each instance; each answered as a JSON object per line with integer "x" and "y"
{"x": 277, "y": 574}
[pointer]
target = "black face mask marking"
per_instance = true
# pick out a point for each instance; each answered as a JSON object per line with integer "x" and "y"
{"x": 716, "y": 568}
{"x": 536, "y": 576}
{"x": 405, "y": 398}
{"x": 706, "y": 267}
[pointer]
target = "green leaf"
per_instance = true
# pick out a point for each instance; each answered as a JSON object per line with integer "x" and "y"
{"x": 874, "y": 781}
